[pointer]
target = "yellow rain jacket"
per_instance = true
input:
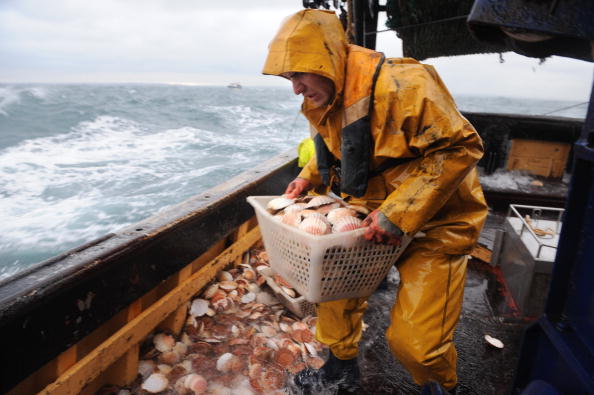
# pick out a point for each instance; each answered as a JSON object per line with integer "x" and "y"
{"x": 392, "y": 138}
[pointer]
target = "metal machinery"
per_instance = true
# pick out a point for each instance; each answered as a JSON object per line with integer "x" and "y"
{"x": 557, "y": 354}
{"x": 525, "y": 251}
{"x": 362, "y": 18}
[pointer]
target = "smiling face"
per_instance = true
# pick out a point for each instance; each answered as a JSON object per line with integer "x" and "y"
{"x": 314, "y": 87}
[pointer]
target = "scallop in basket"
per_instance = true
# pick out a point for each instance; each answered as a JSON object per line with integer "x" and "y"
{"x": 322, "y": 266}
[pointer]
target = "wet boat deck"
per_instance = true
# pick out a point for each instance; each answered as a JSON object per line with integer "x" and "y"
{"x": 482, "y": 369}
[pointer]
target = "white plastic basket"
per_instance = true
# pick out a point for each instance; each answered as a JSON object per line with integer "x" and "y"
{"x": 328, "y": 267}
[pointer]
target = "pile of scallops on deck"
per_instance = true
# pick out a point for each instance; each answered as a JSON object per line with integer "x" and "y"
{"x": 238, "y": 339}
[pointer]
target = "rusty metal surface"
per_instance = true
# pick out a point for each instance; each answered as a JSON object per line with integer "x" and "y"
{"x": 572, "y": 18}
{"x": 47, "y": 310}
{"x": 555, "y": 27}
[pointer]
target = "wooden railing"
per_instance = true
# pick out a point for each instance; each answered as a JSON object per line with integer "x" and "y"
{"x": 110, "y": 354}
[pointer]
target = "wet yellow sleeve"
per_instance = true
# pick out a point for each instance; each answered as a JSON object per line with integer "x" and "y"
{"x": 448, "y": 148}
{"x": 310, "y": 171}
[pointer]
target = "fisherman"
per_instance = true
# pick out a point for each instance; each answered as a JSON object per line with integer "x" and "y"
{"x": 387, "y": 135}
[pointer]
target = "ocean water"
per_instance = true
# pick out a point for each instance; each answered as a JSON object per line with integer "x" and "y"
{"x": 80, "y": 161}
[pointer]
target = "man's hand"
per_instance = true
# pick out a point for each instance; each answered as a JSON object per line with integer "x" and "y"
{"x": 381, "y": 230}
{"x": 297, "y": 187}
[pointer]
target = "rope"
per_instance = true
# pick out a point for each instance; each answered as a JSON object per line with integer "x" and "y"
{"x": 378, "y": 31}
{"x": 564, "y": 108}
{"x": 544, "y": 233}
{"x": 454, "y": 18}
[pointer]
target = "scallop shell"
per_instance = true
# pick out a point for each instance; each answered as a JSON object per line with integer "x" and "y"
{"x": 315, "y": 362}
{"x": 346, "y": 224}
{"x": 292, "y": 218}
{"x": 180, "y": 348}
{"x": 253, "y": 287}
{"x": 294, "y": 208}
{"x": 279, "y": 203}
{"x": 312, "y": 213}
{"x": 249, "y": 274}
{"x": 164, "y": 368}
{"x": 338, "y": 213}
{"x": 285, "y": 327}
{"x": 284, "y": 357}
{"x": 289, "y": 291}
{"x": 228, "y": 363}
{"x": 266, "y": 298}
{"x": 168, "y": 358}
{"x": 199, "y": 307}
{"x": 299, "y": 326}
{"x": 494, "y": 342}
{"x": 146, "y": 367}
{"x": 325, "y": 209}
{"x": 268, "y": 331}
{"x": 163, "y": 342}
{"x": 224, "y": 275}
{"x": 248, "y": 297}
{"x": 228, "y": 285}
{"x": 155, "y": 383}
{"x": 281, "y": 281}
{"x": 210, "y": 291}
{"x": 274, "y": 378}
{"x": 311, "y": 349}
{"x": 360, "y": 209}
{"x": 296, "y": 367}
{"x": 319, "y": 201}
{"x": 195, "y": 383}
{"x": 315, "y": 226}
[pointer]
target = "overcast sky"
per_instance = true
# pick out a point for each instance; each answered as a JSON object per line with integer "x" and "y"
{"x": 217, "y": 42}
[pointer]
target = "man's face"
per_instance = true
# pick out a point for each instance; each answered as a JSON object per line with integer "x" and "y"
{"x": 314, "y": 87}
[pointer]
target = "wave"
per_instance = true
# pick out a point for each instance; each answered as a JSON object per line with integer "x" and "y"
{"x": 13, "y": 95}
{"x": 8, "y": 96}
{"x": 77, "y": 162}
{"x": 109, "y": 172}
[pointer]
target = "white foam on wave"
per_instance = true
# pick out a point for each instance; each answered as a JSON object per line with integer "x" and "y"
{"x": 60, "y": 191}
{"x": 11, "y": 95}
{"x": 245, "y": 116}
{"x": 79, "y": 185}
{"x": 37, "y": 91}
{"x": 8, "y": 96}
{"x": 256, "y": 125}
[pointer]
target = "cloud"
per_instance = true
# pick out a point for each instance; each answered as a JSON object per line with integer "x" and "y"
{"x": 516, "y": 76}
{"x": 218, "y": 42}
{"x": 154, "y": 36}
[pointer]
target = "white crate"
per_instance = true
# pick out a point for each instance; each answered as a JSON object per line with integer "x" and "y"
{"x": 299, "y": 305}
{"x": 328, "y": 267}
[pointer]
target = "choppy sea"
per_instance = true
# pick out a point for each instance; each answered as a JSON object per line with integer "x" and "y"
{"x": 80, "y": 161}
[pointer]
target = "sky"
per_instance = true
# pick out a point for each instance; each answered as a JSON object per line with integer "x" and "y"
{"x": 217, "y": 42}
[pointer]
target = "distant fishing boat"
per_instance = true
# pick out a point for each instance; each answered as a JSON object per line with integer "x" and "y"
{"x": 234, "y": 85}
